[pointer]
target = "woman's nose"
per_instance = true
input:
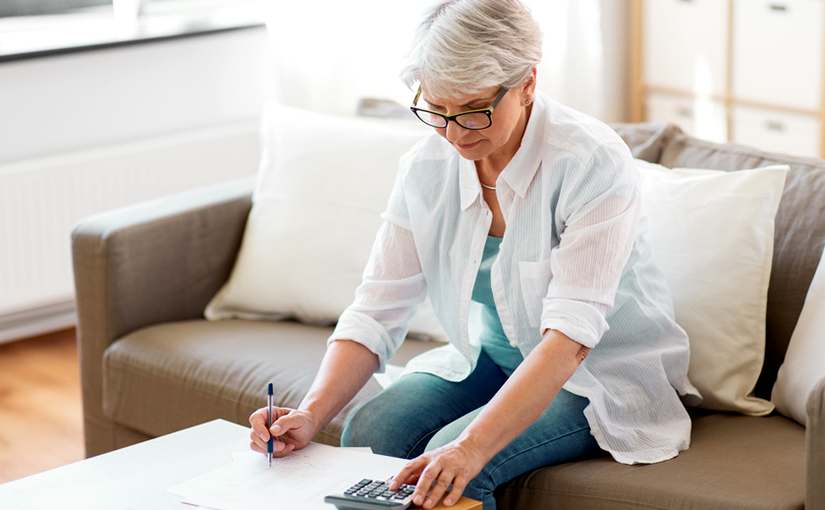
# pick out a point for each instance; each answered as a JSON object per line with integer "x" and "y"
{"x": 454, "y": 132}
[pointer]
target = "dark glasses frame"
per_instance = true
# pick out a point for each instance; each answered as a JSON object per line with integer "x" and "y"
{"x": 445, "y": 119}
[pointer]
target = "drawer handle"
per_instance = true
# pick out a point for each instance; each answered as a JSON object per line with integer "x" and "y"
{"x": 772, "y": 125}
{"x": 684, "y": 112}
{"x": 779, "y": 8}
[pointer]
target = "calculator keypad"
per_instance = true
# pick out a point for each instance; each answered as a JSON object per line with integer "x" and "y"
{"x": 375, "y": 489}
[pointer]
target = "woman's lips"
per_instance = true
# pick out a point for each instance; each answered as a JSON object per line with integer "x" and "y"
{"x": 467, "y": 146}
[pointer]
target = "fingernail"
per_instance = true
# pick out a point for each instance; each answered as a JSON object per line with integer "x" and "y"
{"x": 275, "y": 429}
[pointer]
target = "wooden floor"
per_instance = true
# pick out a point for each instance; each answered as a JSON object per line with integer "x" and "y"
{"x": 41, "y": 424}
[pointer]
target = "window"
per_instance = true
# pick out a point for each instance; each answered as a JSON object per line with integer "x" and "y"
{"x": 41, "y": 7}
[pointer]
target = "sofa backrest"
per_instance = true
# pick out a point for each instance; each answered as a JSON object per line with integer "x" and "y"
{"x": 800, "y": 221}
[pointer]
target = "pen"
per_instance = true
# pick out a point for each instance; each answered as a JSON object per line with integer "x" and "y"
{"x": 271, "y": 443}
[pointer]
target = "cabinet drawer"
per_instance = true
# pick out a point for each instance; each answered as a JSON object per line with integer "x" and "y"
{"x": 776, "y": 131}
{"x": 702, "y": 118}
{"x": 778, "y": 52}
{"x": 686, "y": 44}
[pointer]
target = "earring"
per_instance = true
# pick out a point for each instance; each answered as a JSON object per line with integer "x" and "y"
{"x": 526, "y": 102}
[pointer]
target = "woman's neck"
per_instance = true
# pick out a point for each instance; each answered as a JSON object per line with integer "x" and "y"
{"x": 490, "y": 167}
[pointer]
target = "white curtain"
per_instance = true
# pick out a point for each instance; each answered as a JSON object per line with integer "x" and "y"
{"x": 330, "y": 54}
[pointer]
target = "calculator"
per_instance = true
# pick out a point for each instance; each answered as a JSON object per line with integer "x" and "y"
{"x": 373, "y": 495}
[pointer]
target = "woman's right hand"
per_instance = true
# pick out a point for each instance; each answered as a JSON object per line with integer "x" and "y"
{"x": 293, "y": 429}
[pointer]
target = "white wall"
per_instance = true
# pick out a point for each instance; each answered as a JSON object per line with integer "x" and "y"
{"x": 86, "y": 132}
{"x": 586, "y": 55}
{"x": 84, "y": 100}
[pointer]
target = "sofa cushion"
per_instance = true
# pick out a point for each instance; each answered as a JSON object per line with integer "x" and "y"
{"x": 734, "y": 462}
{"x": 798, "y": 239}
{"x": 167, "y": 377}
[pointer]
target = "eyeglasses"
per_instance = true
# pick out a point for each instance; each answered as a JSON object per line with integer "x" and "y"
{"x": 473, "y": 119}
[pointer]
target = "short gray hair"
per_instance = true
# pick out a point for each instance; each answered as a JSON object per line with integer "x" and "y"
{"x": 463, "y": 46}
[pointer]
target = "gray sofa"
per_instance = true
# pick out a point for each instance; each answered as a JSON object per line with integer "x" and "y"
{"x": 150, "y": 364}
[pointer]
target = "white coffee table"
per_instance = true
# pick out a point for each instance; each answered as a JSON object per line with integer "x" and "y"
{"x": 131, "y": 478}
{"x": 136, "y": 477}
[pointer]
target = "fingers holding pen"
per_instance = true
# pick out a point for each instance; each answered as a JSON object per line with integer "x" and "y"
{"x": 259, "y": 433}
{"x": 279, "y": 431}
{"x": 292, "y": 429}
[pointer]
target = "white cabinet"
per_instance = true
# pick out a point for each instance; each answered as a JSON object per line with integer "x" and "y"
{"x": 749, "y": 71}
{"x": 674, "y": 57}
{"x": 777, "y": 52}
{"x": 701, "y": 117}
{"x": 777, "y": 131}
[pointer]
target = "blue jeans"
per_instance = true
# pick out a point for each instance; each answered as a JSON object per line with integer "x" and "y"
{"x": 421, "y": 412}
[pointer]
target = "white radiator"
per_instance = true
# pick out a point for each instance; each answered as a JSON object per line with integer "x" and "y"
{"x": 41, "y": 201}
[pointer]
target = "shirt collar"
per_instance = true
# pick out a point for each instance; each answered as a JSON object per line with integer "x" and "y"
{"x": 519, "y": 173}
{"x": 468, "y": 182}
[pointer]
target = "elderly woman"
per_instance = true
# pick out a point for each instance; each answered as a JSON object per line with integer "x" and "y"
{"x": 520, "y": 218}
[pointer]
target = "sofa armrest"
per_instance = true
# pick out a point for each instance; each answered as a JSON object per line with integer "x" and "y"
{"x": 153, "y": 262}
{"x": 815, "y": 448}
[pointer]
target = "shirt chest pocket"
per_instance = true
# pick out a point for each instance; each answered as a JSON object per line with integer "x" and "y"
{"x": 535, "y": 279}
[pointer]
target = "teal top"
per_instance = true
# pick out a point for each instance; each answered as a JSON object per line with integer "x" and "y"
{"x": 493, "y": 340}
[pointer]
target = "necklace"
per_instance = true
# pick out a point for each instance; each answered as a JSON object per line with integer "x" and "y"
{"x": 485, "y": 186}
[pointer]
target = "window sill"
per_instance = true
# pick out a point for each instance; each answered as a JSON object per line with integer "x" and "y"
{"x": 96, "y": 28}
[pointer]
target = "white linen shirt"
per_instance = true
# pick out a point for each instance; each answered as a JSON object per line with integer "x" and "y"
{"x": 574, "y": 257}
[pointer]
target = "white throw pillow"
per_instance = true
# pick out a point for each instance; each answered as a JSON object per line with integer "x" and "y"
{"x": 322, "y": 184}
{"x": 804, "y": 364}
{"x": 712, "y": 236}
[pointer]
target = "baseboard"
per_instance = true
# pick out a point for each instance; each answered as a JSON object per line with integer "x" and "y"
{"x": 38, "y": 321}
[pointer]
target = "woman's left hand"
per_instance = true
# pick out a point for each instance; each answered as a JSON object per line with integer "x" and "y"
{"x": 455, "y": 463}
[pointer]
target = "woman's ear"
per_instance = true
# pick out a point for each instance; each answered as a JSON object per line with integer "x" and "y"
{"x": 529, "y": 87}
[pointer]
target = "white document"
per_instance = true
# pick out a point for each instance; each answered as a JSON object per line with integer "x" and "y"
{"x": 298, "y": 481}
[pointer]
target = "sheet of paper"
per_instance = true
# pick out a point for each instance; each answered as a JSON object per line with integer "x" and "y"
{"x": 362, "y": 449}
{"x": 299, "y": 480}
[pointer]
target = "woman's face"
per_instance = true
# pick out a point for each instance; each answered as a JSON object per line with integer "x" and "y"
{"x": 500, "y": 141}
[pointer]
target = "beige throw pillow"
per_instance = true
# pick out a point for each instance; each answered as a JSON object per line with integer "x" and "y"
{"x": 712, "y": 236}
{"x": 322, "y": 184}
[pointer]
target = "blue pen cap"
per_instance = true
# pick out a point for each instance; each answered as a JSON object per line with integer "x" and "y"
{"x": 270, "y": 443}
